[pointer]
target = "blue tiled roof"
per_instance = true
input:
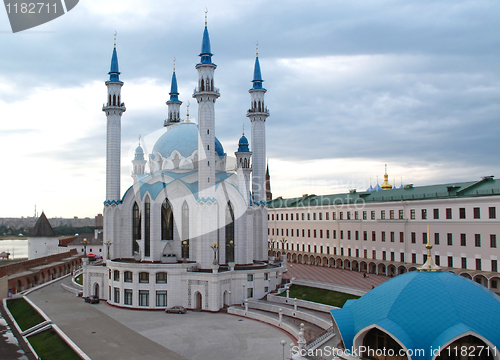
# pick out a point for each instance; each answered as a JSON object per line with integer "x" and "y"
{"x": 182, "y": 137}
{"x": 423, "y": 310}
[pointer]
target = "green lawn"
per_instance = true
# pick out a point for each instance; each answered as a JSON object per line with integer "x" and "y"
{"x": 49, "y": 346}
{"x": 79, "y": 279}
{"x": 321, "y": 296}
{"x": 26, "y": 317}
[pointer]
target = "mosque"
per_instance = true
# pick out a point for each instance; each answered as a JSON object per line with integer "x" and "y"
{"x": 189, "y": 231}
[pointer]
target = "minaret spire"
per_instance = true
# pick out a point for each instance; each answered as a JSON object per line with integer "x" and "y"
{"x": 430, "y": 265}
{"x": 174, "y": 103}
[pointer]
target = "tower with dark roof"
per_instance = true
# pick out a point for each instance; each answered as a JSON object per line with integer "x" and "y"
{"x": 42, "y": 240}
{"x": 173, "y": 103}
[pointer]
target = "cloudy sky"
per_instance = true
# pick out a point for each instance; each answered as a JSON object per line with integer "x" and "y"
{"x": 352, "y": 85}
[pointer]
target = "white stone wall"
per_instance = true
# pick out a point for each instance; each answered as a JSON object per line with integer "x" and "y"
{"x": 455, "y": 226}
{"x": 42, "y": 246}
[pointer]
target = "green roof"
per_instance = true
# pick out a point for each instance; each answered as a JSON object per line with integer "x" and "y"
{"x": 487, "y": 186}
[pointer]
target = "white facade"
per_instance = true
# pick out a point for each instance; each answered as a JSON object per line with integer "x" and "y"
{"x": 43, "y": 246}
{"x": 463, "y": 228}
{"x": 189, "y": 218}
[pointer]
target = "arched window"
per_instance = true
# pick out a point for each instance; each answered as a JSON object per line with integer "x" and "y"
{"x": 147, "y": 232}
{"x": 109, "y": 101}
{"x": 118, "y": 103}
{"x": 136, "y": 228}
{"x": 229, "y": 233}
{"x": 475, "y": 349}
{"x": 167, "y": 221}
{"x": 212, "y": 85}
{"x": 176, "y": 161}
{"x": 185, "y": 231}
{"x": 202, "y": 86}
{"x": 255, "y": 106}
{"x": 114, "y": 100}
{"x": 376, "y": 339}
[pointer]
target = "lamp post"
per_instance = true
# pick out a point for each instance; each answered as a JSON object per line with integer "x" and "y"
{"x": 280, "y": 315}
{"x": 215, "y": 247}
{"x": 108, "y": 244}
{"x": 185, "y": 247}
{"x": 85, "y": 247}
{"x": 230, "y": 300}
{"x": 283, "y": 242}
{"x": 283, "y": 343}
{"x": 230, "y": 248}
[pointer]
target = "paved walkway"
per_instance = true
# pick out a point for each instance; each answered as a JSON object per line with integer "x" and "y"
{"x": 106, "y": 332}
{"x": 342, "y": 277}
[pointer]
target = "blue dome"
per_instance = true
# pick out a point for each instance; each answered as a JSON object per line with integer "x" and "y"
{"x": 182, "y": 137}
{"x": 423, "y": 310}
{"x": 138, "y": 150}
{"x": 243, "y": 144}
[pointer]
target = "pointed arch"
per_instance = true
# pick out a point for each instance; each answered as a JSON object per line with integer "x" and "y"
{"x": 229, "y": 233}
{"x": 185, "y": 230}
{"x": 147, "y": 229}
{"x": 212, "y": 85}
{"x": 114, "y": 100}
{"x": 202, "y": 85}
{"x": 109, "y": 101}
{"x": 167, "y": 220}
{"x": 118, "y": 102}
{"x": 136, "y": 228}
{"x": 259, "y": 107}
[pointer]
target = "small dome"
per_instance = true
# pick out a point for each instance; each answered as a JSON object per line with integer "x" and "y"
{"x": 138, "y": 150}
{"x": 182, "y": 137}
{"x": 243, "y": 144}
{"x": 423, "y": 310}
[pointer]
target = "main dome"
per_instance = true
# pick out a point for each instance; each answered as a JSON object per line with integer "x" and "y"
{"x": 423, "y": 310}
{"x": 182, "y": 137}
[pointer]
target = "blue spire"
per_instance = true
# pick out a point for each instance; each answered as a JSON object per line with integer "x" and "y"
{"x": 114, "y": 74}
{"x": 257, "y": 77}
{"x": 174, "y": 94}
{"x": 206, "y": 54}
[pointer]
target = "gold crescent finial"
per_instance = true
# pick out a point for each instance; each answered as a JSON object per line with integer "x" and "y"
{"x": 174, "y": 64}
{"x": 187, "y": 115}
{"x": 257, "y": 49}
{"x": 115, "y": 39}
{"x": 243, "y": 129}
{"x": 139, "y": 139}
{"x": 206, "y": 12}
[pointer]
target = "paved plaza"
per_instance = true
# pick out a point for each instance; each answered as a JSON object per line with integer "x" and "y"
{"x": 106, "y": 332}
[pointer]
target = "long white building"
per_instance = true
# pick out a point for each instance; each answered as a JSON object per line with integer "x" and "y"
{"x": 384, "y": 231}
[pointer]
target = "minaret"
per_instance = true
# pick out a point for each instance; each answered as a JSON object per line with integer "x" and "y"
{"x": 206, "y": 95}
{"x": 269, "y": 194}
{"x": 114, "y": 110}
{"x": 258, "y": 114}
{"x": 174, "y": 103}
{"x": 139, "y": 163}
{"x": 243, "y": 158}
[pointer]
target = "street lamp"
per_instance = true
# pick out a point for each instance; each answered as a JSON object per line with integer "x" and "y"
{"x": 283, "y": 242}
{"x": 230, "y": 248}
{"x": 215, "y": 247}
{"x": 283, "y": 343}
{"x": 85, "y": 247}
{"x": 108, "y": 244}
{"x": 185, "y": 247}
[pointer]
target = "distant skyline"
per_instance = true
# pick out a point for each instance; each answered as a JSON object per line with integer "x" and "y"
{"x": 351, "y": 86}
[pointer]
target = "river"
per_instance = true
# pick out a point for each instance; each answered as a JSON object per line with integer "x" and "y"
{"x": 17, "y": 248}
